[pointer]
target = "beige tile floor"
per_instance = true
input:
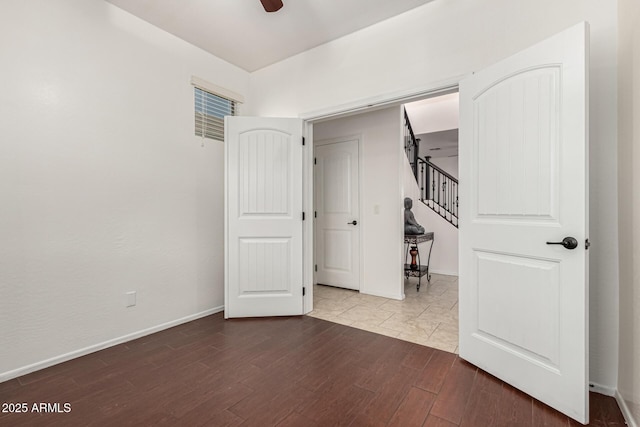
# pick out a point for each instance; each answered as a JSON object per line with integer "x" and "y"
{"x": 428, "y": 317}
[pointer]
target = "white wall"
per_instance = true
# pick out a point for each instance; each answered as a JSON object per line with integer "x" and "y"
{"x": 447, "y": 164}
{"x": 448, "y": 38}
{"x": 381, "y": 230}
{"x": 629, "y": 207}
{"x": 444, "y": 256}
{"x": 104, "y": 187}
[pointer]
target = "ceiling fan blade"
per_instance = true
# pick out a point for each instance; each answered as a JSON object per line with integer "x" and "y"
{"x": 271, "y": 5}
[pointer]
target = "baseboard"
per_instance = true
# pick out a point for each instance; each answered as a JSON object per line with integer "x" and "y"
{"x": 383, "y": 294}
{"x": 607, "y": 391}
{"x": 444, "y": 272}
{"x": 626, "y": 412}
{"x": 624, "y": 408}
{"x": 6, "y": 376}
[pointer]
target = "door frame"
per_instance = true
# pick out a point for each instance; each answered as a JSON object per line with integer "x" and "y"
{"x": 342, "y": 139}
{"x": 441, "y": 87}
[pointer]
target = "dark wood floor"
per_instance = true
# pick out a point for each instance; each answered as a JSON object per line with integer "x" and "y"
{"x": 296, "y": 371}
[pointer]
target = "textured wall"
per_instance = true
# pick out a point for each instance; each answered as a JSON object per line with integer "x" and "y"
{"x": 105, "y": 189}
{"x": 629, "y": 205}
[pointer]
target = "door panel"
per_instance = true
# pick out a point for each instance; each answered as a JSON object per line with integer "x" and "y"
{"x": 524, "y": 147}
{"x": 527, "y": 294}
{"x": 263, "y": 215}
{"x": 523, "y": 183}
{"x": 264, "y": 165}
{"x": 337, "y": 206}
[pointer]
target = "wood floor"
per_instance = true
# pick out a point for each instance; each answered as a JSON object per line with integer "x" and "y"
{"x": 297, "y": 371}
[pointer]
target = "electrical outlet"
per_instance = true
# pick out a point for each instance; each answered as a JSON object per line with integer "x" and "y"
{"x": 131, "y": 298}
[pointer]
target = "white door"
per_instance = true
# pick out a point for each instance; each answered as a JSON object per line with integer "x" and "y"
{"x": 337, "y": 204}
{"x": 263, "y": 217}
{"x": 523, "y": 183}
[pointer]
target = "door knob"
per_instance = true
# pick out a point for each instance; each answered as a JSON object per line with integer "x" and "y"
{"x": 354, "y": 222}
{"x": 567, "y": 242}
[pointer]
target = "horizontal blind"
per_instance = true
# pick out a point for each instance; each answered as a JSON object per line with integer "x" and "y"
{"x": 210, "y": 110}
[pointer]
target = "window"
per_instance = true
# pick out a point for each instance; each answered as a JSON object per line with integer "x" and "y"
{"x": 210, "y": 110}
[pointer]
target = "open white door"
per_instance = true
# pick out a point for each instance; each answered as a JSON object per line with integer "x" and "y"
{"x": 523, "y": 183}
{"x": 263, "y": 217}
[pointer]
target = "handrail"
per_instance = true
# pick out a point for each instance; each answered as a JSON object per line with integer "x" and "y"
{"x": 411, "y": 145}
{"x": 442, "y": 171}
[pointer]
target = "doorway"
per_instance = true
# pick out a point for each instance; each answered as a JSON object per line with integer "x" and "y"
{"x": 428, "y": 317}
{"x": 379, "y": 219}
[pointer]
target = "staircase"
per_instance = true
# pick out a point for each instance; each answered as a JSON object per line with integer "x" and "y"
{"x": 438, "y": 189}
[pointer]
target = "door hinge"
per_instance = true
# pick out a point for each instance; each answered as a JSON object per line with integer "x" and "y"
{"x": 315, "y": 214}
{"x": 303, "y": 141}
{"x": 304, "y": 291}
{"x": 316, "y": 267}
{"x": 315, "y": 161}
{"x": 303, "y": 216}
{"x": 587, "y": 243}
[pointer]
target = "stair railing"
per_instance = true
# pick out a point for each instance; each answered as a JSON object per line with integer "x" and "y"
{"x": 411, "y": 145}
{"x": 438, "y": 189}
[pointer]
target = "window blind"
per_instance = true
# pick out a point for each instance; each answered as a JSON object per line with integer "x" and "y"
{"x": 210, "y": 110}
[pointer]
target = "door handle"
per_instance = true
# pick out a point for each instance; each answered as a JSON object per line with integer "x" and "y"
{"x": 567, "y": 242}
{"x": 354, "y": 222}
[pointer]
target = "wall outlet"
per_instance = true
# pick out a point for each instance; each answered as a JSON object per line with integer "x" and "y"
{"x": 131, "y": 298}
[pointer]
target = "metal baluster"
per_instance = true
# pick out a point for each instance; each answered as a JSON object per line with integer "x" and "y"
{"x": 422, "y": 180}
{"x": 433, "y": 188}
{"x": 439, "y": 184}
{"x": 449, "y": 188}
{"x": 445, "y": 193}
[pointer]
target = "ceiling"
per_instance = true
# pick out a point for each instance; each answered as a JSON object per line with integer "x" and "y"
{"x": 434, "y": 114}
{"x": 439, "y": 144}
{"x": 435, "y": 122}
{"x": 242, "y": 33}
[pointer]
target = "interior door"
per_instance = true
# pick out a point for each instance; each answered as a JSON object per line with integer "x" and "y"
{"x": 523, "y": 189}
{"x": 263, "y": 217}
{"x": 337, "y": 205}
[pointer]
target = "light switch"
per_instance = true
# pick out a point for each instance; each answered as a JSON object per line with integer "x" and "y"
{"x": 131, "y": 298}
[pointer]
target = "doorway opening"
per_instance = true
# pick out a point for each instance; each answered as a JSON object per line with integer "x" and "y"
{"x": 385, "y": 301}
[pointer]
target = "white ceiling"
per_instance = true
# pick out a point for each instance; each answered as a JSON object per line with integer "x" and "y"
{"x": 435, "y": 121}
{"x": 242, "y": 33}
{"x": 434, "y": 114}
{"x": 439, "y": 144}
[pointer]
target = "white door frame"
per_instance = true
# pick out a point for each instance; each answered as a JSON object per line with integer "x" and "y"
{"x": 341, "y": 139}
{"x": 441, "y": 87}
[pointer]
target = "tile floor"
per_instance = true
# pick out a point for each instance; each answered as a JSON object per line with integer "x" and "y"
{"x": 428, "y": 317}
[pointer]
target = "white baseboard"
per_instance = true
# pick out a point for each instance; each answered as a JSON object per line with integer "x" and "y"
{"x": 444, "y": 272}
{"x": 626, "y": 412}
{"x": 383, "y": 294}
{"x": 607, "y": 391}
{"x": 624, "y": 408}
{"x": 6, "y": 376}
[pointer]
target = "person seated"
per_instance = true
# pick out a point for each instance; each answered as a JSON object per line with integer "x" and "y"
{"x": 411, "y": 226}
